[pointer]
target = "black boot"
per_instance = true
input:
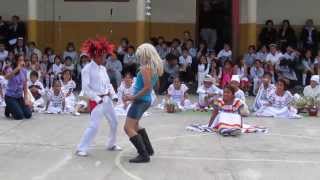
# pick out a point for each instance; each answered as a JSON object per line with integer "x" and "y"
{"x": 146, "y": 141}
{"x": 6, "y": 112}
{"x": 143, "y": 156}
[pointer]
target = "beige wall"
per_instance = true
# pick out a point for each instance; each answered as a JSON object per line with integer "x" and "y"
{"x": 13, "y": 7}
{"x": 168, "y": 11}
{"x": 87, "y": 11}
{"x": 58, "y": 22}
{"x": 297, "y": 11}
{"x": 174, "y": 11}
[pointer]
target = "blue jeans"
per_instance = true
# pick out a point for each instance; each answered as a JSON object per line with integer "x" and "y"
{"x": 17, "y": 108}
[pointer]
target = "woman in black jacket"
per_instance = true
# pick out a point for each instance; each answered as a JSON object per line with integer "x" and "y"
{"x": 286, "y": 36}
{"x": 309, "y": 36}
{"x": 268, "y": 34}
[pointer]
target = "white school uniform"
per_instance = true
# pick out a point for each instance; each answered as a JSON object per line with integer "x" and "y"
{"x": 55, "y": 102}
{"x": 120, "y": 108}
{"x": 312, "y": 92}
{"x": 3, "y": 55}
{"x": 279, "y": 107}
{"x": 57, "y": 69}
{"x": 71, "y": 99}
{"x": 224, "y": 55}
{"x": 3, "y": 85}
{"x": 185, "y": 60}
{"x": 202, "y": 72}
{"x": 274, "y": 58}
{"x": 96, "y": 82}
{"x": 240, "y": 95}
{"x": 38, "y": 103}
{"x": 204, "y": 92}
{"x": 178, "y": 95}
{"x": 263, "y": 96}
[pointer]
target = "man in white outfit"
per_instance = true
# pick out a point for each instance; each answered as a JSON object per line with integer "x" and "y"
{"x": 97, "y": 87}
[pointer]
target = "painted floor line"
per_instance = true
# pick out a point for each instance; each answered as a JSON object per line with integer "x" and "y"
{"x": 134, "y": 177}
{"x": 53, "y": 169}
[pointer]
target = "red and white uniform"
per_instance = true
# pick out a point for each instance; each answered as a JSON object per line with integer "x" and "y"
{"x": 95, "y": 84}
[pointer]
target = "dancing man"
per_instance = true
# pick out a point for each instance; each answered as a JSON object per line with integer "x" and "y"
{"x": 151, "y": 68}
{"x": 97, "y": 87}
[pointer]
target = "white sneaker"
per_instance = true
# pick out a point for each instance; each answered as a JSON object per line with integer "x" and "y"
{"x": 114, "y": 148}
{"x": 76, "y": 114}
{"x": 81, "y": 153}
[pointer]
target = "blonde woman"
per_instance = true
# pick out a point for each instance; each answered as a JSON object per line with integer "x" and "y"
{"x": 151, "y": 68}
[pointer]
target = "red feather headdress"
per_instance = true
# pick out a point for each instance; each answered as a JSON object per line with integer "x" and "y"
{"x": 97, "y": 47}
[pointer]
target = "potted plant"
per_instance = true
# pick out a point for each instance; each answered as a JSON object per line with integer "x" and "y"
{"x": 171, "y": 106}
{"x": 313, "y": 105}
{"x": 308, "y": 104}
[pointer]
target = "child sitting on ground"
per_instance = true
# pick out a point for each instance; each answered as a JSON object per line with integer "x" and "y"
{"x": 177, "y": 93}
{"x": 37, "y": 91}
{"x": 125, "y": 89}
{"x": 235, "y": 81}
{"x": 227, "y": 113}
{"x": 207, "y": 93}
{"x": 68, "y": 85}
{"x": 56, "y": 99}
{"x": 3, "y": 85}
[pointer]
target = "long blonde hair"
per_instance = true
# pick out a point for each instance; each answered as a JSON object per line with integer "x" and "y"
{"x": 148, "y": 56}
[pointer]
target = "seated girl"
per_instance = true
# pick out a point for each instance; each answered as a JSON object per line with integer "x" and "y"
{"x": 3, "y": 85}
{"x": 279, "y": 103}
{"x": 177, "y": 93}
{"x": 37, "y": 91}
{"x": 208, "y": 92}
{"x": 235, "y": 82}
{"x": 264, "y": 92}
{"x": 227, "y": 113}
{"x": 241, "y": 69}
{"x": 203, "y": 69}
{"x": 68, "y": 85}
{"x": 256, "y": 74}
{"x": 56, "y": 99}
{"x": 313, "y": 90}
{"x": 56, "y": 69}
{"x": 125, "y": 89}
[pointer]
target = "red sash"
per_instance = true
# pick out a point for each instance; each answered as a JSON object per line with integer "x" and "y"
{"x": 92, "y": 105}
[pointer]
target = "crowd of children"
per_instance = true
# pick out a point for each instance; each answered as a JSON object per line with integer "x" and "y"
{"x": 54, "y": 80}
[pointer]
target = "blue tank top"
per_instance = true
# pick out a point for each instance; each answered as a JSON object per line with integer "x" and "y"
{"x": 138, "y": 86}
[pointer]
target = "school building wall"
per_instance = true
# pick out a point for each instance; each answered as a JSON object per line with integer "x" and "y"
{"x": 55, "y": 22}
{"x": 254, "y": 13}
{"x": 58, "y": 21}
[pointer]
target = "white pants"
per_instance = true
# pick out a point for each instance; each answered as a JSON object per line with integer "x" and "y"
{"x": 104, "y": 109}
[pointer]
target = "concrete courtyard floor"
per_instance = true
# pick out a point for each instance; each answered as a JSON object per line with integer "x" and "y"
{"x": 43, "y": 149}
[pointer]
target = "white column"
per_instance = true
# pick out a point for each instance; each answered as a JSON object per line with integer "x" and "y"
{"x": 31, "y": 20}
{"x": 141, "y": 10}
{"x": 252, "y": 11}
{"x": 32, "y": 10}
{"x": 142, "y": 27}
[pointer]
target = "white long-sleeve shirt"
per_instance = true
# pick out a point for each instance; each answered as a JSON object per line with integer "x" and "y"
{"x": 311, "y": 92}
{"x": 96, "y": 82}
{"x": 274, "y": 58}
